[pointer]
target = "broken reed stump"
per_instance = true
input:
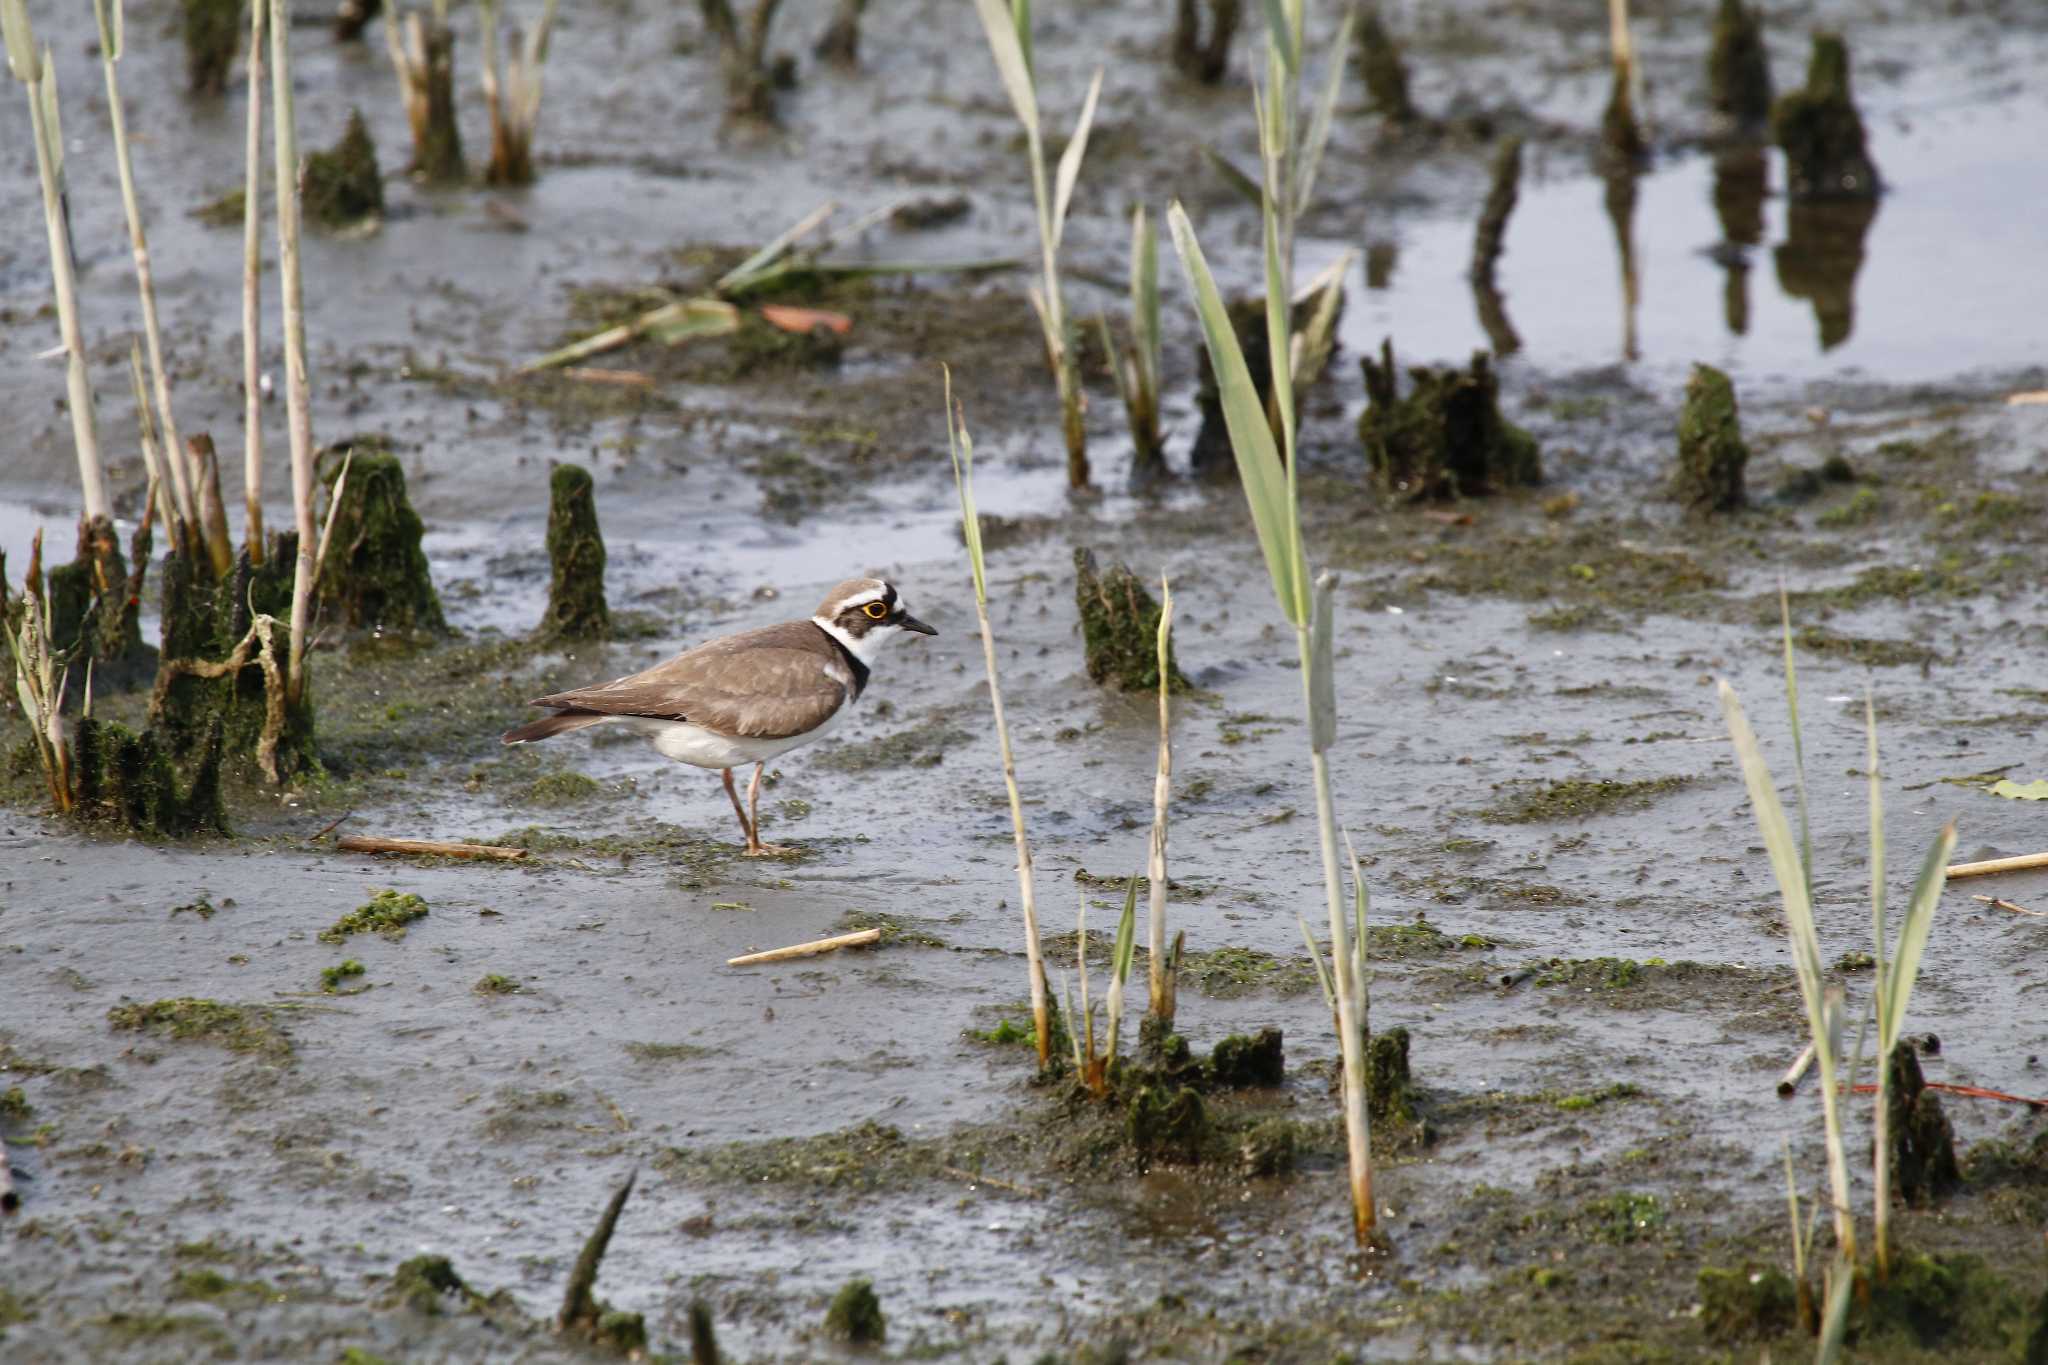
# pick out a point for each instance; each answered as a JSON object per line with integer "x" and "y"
{"x": 221, "y": 669}
{"x": 840, "y": 44}
{"x": 703, "y": 1335}
{"x": 96, "y": 605}
{"x": 1120, "y": 628}
{"x": 585, "y": 1315}
{"x": 1389, "y": 1087}
{"x": 576, "y": 605}
{"x": 1923, "y": 1144}
{"x": 204, "y": 462}
{"x": 425, "y": 60}
{"x": 855, "y": 1315}
{"x": 1711, "y": 451}
{"x": 1739, "y": 70}
{"x": 1447, "y": 437}
{"x": 376, "y": 575}
{"x": 1820, "y": 131}
{"x": 351, "y": 17}
{"x": 128, "y": 779}
{"x": 1501, "y": 195}
{"x": 213, "y": 32}
{"x": 1384, "y": 69}
{"x": 1820, "y": 258}
{"x": 342, "y": 186}
{"x": 750, "y": 79}
{"x": 1204, "y": 58}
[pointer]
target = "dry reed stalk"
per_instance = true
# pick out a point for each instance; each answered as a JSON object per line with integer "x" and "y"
{"x": 1994, "y": 865}
{"x": 204, "y": 461}
{"x": 962, "y": 450}
{"x": 2003, "y": 904}
{"x": 859, "y": 939}
{"x": 442, "y": 848}
{"x": 513, "y": 98}
{"x": 424, "y": 58}
{"x": 39, "y": 683}
{"x": 160, "y": 493}
{"x": 252, "y": 298}
{"x": 1161, "y": 975}
{"x": 297, "y": 391}
{"x": 33, "y": 68}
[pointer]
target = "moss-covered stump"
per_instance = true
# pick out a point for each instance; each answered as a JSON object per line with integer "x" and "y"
{"x": 1923, "y": 1144}
{"x": 1389, "y": 1092}
{"x": 1244, "y": 1061}
{"x": 97, "y": 596}
{"x": 583, "y": 1313}
{"x": 212, "y": 30}
{"x": 1211, "y": 453}
{"x": 1447, "y": 437}
{"x": 1820, "y": 258}
{"x": 1711, "y": 451}
{"x": 1739, "y": 69}
{"x": 576, "y": 605}
{"x": 342, "y": 185}
{"x": 1386, "y": 74}
{"x": 1168, "y": 1123}
{"x": 376, "y": 575}
{"x": 855, "y": 1315}
{"x": 1949, "y": 1303}
{"x": 1753, "y": 1303}
{"x": 436, "y": 138}
{"x": 213, "y": 676}
{"x": 1120, "y": 628}
{"x": 129, "y": 780}
{"x": 1199, "y": 57}
{"x": 1820, "y": 131}
{"x": 1269, "y": 1148}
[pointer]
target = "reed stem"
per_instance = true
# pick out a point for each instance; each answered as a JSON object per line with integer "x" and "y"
{"x": 252, "y": 296}
{"x": 297, "y": 392}
{"x": 1160, "y": 976}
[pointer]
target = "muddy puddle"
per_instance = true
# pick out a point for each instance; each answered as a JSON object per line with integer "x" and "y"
{"x": 1572, "y": 916}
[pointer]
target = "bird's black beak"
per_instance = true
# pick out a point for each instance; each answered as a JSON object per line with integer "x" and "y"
{"x": 908, "y": 622}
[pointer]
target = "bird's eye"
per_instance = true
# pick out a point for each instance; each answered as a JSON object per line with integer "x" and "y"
{"x": 876, "y": 610}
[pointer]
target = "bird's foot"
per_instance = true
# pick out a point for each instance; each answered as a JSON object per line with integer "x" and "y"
{"x": 757, "y": 849}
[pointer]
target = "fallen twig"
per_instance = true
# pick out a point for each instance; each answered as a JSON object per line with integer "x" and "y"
{"x": 1991, "y": 865}
{"x": 1973, "y": 1091}
{"x": 442, "y": 848}
{"x": 632, "y": 379}
{"x": 811, "y": 949}
{"x": 2008, "y": 905}
{"x": 1788, "y": 1083}
{"x": 579, "y": 1304}
{"x": 974, "y": 1178}
{"x": 330, "y": 827}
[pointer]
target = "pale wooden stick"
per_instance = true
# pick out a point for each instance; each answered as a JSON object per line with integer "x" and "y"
{"x": 252, "y": 299}
{"x": 1991, "y": 865}
{"x": 2008, "y": 905}
{"x": 811, "y": 949}
{"x": 1789, "y": 1082}
{"x": 373, "y": 843}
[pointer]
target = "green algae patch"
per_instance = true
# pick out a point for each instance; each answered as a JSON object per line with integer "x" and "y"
{"x": 239, "y": 1028}
{"x": 1120, "y": 628}
{"x": 922, "y": 745}
{"x": 1269, "y": 1148}
{"x": 210, "y": 1285}
{"x": 1532, "y": 801}
{"x": 855, "y": 1315}
{"x": 895, "y": 929}
{"x": 576, "y": 603}
{"x": 1862, "y": 650}
{"x": 1625, "y": 1216}
{"x": 1446, "y": 437}
{"x": 14, "y": 1106}
{"x": 1711, "y": 452}
{"x": 429, "y": 1284}
{"x": 667, "y": 1052}
{"x": 342, "y": 186}
{"x": 1168, "y": 1124}
{"x": 332, "y": 978}
{"x": 376, "y": 576}
{"x": 158, "y": 1331}
{"x": 491, "y": 983}
{"x": 386, "y": 913}
{"x": 1753, "y": 1303}
{"x": 565, "y": 788}
{"x": 1226, "y": 973}
{"x": 866, "y": 1157}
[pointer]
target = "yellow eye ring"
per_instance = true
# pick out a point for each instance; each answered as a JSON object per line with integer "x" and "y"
{"x": 876, "y": 610}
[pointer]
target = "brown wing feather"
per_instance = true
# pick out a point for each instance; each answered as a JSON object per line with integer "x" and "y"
{"x": 765, "y": 684}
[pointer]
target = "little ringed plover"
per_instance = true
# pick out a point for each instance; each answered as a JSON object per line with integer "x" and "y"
{"x": 745, "y": 698}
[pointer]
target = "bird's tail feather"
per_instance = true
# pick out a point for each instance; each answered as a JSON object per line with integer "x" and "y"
{"x": 557, "y": 723}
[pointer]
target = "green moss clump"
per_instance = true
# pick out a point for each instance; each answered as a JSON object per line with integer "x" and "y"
{"x": 1447, "y": 438}
{"x": 1711, "y": 451}
{"x": 855, "y": 1316}
{"x": 1953, "y": 1303}
{"x": 1120, "y": 628}
{"x": 1821, "y": 132}
{"x": 228, "y": 210}
{"x": 239, "y": 1028}
{"x": 14, "y": 1105}
{"x": 1243, "y": 1061}
{"x": 1386, "y": 74}
{"x": 423, "y": 1283}
{"x": 566, "y": 788}
{"x": 921, "y": 745}
{"x": 1389, "y": 1089}
{"x": 386, "y": 913}
{"x": 762, "y": 347}
{"x": 1269, "y": 1147}
{"x": 1573, "y": 798}
{"x": 1167, "y": 1123}
{"x": 1627, "y": 1216}
{"x": 129, "y": 779}
{"x": 342, "y": 185}
{"x": 1226, "y": 973}
{"x": 1858, "y": 649}
{"x": 95, "y": 596}
{"x": 376, "y": 576}
{"x": 332, "y": 977}
{"x": 1751, "y": 1303}
{"x": 1923, "y": 1144}
{"x": 213, "y": 31}
{"x": 493, "y": 984}
{"x": 576, "y": 604}
{"x": 1739, "y": 68}
{"x": 1601, "y": 973}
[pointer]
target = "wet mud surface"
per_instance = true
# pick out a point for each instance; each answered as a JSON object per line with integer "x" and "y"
{"x": 226, "y": 1140}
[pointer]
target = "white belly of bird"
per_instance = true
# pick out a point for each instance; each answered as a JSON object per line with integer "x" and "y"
{"x": 693, "y": 744}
